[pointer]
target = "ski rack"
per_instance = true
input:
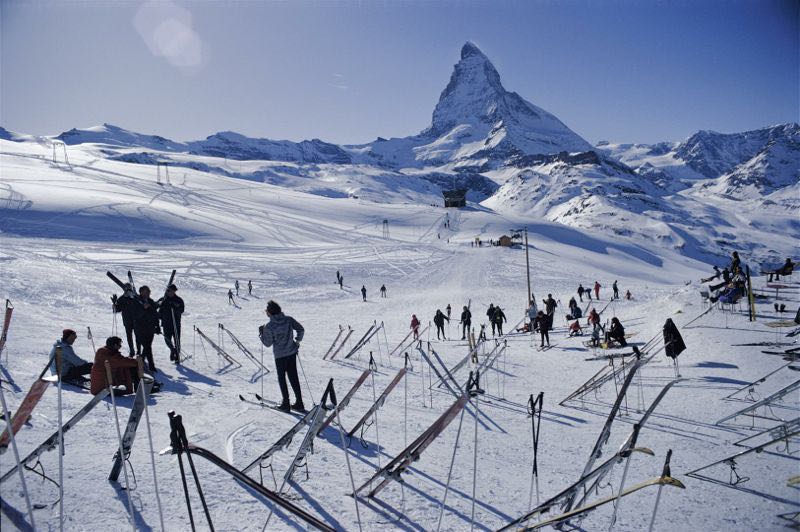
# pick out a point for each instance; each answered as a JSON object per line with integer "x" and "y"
{"x": 314, "y": 429}
{"x": 181, "y": 445}
{"x": 402, "y": 345}
{"x": 664, "y": 480}
{"x": 471, "y": 355}
{"x": 781, "y": 431}
{"x": 52, "y": 442}
{"x": 730, "y": 461}
{"x": 767, "y": 401}
{"x": 328, "y": 352}
{"x": 751, "y": 386}
{"x": 221, "y": 352}
{"x": 371, "y": 332}
{"x": 341, "y": 345}
{"x": 244, "y": 350}
{"x": 379, "y": 402}
{"x": 285, "y": 440}
{"x": 605, "y": 433}
{"x": 345, "y": 400}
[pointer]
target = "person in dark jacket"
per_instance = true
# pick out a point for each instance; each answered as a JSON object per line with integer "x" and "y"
{"x": 449, "y": 309}
{"x": 170, "y": 310}
{"x": 498, "y": 319}
{"x": 786, "y": 269}
{"x": 284, "y": 334}
{"x": 73, "y": 367}
{"x": 542, "y": 323}
{"x": 383, "y": 290}
{"x": 550, "y": 304}
{"x": 736, "y": 262}
{"x": 415, "y": 326}
{"x": 145, "y": 325}
{"x": 581, "y": 290}
{"x": 490, "y": 316}
{"x": 124, "y": 371}
{"x": 438, "y": 320}
{"x": 363, "y": 293}
{"x": 615, "y": 289}
{"x": 466, "y": 322}
{"x": 249, "y": 288}
{"x": 126, "y": 305}
{"x": 616, "y": 332}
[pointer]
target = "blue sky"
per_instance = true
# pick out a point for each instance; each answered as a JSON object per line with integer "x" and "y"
{"x": 346, "y": 72}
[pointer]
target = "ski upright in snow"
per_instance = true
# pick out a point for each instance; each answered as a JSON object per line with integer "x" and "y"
{"x": 130, "y": 429}
{"x": 25, "y": 409}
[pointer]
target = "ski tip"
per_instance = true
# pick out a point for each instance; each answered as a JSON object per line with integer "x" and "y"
{"x": 672, "y": 482}
{"x": 241, "y": 397}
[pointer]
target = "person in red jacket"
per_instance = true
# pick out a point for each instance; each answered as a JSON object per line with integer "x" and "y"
{"x": 597, "y": 287}
{"x": 593, "y": 318}
{"x": 123, "y": 369}
{"x": 415, "y": 326}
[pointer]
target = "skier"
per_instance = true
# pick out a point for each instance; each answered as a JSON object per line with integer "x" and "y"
{"x": 146, "y": 324}
{"x": 597, "y": 330}
{"x": 363, "y": 293}
{"x": 616, "y": 290}
{"x": 498, "y": 319}
{"x": 415, "y": 326}
{"x": 236, "y": 284}
{"x": 543, "y": 324}
{"x": 786, "y": 269}
{"x": 277, "y": 333}
{"x": 124, "y": 371}
{"x": 170, "y": 310}
{"x": 125, "y": 305}
{"x": 628, "y": 295}
{"x": 466, "y": 322}
{"x": 550, "y": 309}
{"x": 249, "y": 288}
{"x": 575, "y": 329}
{"x": 581, "y": 290}
{"x": 616, "y": 332}
{"x": 449, "y": 309}
{"x": 438, "y": 319}
{"x": 597, "y": 287}
{"x": 230, "y": 298}
{"x": 73, "y": 367}
{"x": 338, "y": 277}
{"x": 341, "y": 280}
{"x": 482, "y": 334}
{"x": 574, "y": 311}
{"x": 593, "y": 318}
{"x": 532, "y": 311}
{"x": 383, "y": 290}
{"x": 736, "y": 262}
{"x": 490, "y": 316}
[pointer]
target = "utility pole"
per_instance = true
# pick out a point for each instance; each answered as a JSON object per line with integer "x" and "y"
{"x": 527, "y": 265}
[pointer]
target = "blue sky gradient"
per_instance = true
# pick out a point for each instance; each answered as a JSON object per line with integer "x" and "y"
{"x": 346, "y": 72}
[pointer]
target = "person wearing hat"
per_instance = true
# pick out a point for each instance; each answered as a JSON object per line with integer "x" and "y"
{"x": 124, "y": 371}
{"x": 126, "y": 305}
{"x": 170, "y": 309}
{"x": 145, "y": 324}
{"x": 73, "y": 367}
{"x": 277, "y": 333}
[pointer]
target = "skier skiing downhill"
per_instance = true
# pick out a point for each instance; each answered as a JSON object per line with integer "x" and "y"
{"x": 363, "y": 293}
{"x": 278, "y": 334}
{"x": 125, "y": 305}
{"x": 438, "y": 320}
{"x": 73, "y": 367}
{"x": 466, "y": 322}
{"x": 415, "y": 326}
{"x": 170, "y": 310}
{"x": 597, "y": 287}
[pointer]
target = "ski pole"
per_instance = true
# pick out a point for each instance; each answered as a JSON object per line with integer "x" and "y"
{"x": 660, "y": 488}
{"x": 13, "y": 439}
{"x": 60, "y": 446}
{"x": 177, "y": 448}
{"x": 477, "y": 392}
{"x": 347, "y": 459}
{"x": 624, "y": 474}
{"x": 89, "y": 335}
{"x": 150, "y": 441}
{"x": 110, "y": 380}
{"x": 450, "y": 471}
{"x": 305, "y": 378}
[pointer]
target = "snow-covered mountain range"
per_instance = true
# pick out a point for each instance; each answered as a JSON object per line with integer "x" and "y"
{"x": 705, "y": 196}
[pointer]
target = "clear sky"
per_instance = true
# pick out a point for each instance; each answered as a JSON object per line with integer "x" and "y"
{"x": 347, "y": 71}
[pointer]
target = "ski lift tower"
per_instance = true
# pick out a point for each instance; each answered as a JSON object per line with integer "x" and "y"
{"x": 60, "y": 146}
{"x": 159, "y": 164}
{"x": 386, "y": 229}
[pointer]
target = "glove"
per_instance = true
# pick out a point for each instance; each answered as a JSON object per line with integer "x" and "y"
{"x": 260, "y": 330}
{"x": 114, "y": 299}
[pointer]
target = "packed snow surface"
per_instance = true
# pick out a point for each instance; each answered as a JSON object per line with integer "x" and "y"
{"x": 64, "y": 224}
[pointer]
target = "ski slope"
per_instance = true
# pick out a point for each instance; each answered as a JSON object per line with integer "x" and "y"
{"x": 64, "y": 225}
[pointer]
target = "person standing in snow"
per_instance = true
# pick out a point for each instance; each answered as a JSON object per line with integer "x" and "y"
{"x": 466, "y": 322}
{"x": 490, "y": 316}
{"x": 146, "y": 325}
{"x": 628, "y": 295}
{"x": 543, "y": 325}
{"x": 616, "y": 290}
{"x": 498, "y": 319}
{"x": 341, "y": 280}
{"x": 532, "y": 311}
{"x": 236, "y": 284}
{"x": 125, "y": 305}
{"x": 449, "y": 309}
{"x": 415, "y": 326}
{"x": 383, "y": 290}
{"x": 73, "y": 367}
{"x": 249, "y": 288}
{"x": 581, "y": 290}
{"x": 593, "y": 318}
{"x": 170, "y": 310}
{"x": 230, "y": 298}
{"x": 363, "y": 293}
{"x": 284, "y": 334}
{"x": 597, "y": 287}
{"x": 438, "y": 320}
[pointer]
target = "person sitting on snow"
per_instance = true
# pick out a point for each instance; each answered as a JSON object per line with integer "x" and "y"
{"x": 616, "y": 332}
{"x": 124, "y": 371}
{"x": 73, "y": 367}
{"x": 575, "y": 329}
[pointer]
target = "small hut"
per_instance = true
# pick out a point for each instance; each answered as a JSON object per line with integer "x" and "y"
{"x": 505, "y": 241}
